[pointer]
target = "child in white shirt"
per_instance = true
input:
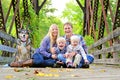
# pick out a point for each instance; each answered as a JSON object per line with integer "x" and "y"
{"x": 75, "y": 52}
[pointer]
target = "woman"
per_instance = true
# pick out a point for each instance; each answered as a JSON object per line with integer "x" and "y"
{"x": 44, "y": 56}
{"x": 68, "y": 29}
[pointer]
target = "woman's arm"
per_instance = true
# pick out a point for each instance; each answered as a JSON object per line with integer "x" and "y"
{"x": 45, "y": 47}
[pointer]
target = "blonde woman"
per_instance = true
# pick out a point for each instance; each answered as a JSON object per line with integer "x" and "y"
{"x": 44, "y": 56}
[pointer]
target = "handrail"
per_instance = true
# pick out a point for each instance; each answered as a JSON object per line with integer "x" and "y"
{"x": 113, "y": 50}
{"x": 7, "y": 37}
{"x": 112, "y": 35}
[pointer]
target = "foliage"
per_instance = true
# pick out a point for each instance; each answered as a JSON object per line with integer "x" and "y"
{"x": 74, "y": 14}
{"x": 89, "y": 40}
{"x": 39, "y": 24}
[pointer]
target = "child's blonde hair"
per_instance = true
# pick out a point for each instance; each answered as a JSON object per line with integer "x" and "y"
{"x": 75, "y": 38}
{"x": 61, "y": 39}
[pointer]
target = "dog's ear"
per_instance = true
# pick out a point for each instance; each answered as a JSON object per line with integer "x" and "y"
{"x": 29, "y": 31}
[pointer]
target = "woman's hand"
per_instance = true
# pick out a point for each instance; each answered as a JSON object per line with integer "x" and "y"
{"x": 52, "y": 50}
{"x": 54, "y": 56}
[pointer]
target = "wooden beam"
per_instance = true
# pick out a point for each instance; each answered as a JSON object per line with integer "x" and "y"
{"x": 7, "y": 37}
{"x": 107, "y": 61}
{"x": 8, "y": 49}
{"x": 112, "y": 35}
{"x": 6, "y": 59}
{"x": 106, "y": 50}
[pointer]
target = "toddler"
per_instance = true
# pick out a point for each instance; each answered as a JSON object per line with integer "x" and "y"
{"x": 60, "y": 50}
{"x": 75, "y": 52}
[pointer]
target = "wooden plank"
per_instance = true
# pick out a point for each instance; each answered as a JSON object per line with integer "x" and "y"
{"x": 95, "y": 72}
{"x": 6, "y": 59}
{"x": 107, "y": 61}
{"x": 114, "y": 34}
{"x": 7, "y": 37}
{"x": 7, "y": 48}
{"x": 106, "y": 50}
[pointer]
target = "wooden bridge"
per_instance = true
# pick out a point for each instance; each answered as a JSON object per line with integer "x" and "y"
{"x": 106, "y": 48}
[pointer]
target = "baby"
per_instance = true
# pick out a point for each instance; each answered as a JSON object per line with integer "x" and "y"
{"x": 74, "y": 53}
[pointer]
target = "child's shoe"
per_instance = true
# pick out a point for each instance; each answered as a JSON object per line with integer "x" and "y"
{"x": 75, "y": 66}
{"x": 85, "y": 65}
{"x": 69, "y": 65}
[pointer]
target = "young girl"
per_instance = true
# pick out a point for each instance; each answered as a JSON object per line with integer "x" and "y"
{"x": 75, "y": 52}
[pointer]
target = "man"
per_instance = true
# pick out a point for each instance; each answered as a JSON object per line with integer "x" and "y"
{"x": 68, "y": 29}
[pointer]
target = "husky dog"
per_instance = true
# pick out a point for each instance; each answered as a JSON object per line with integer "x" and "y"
{"x": 23, "y": 46}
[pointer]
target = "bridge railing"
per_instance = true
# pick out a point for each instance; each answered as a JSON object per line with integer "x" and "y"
{"x": 114, "y": 49}
{"x": 11, "y": 49}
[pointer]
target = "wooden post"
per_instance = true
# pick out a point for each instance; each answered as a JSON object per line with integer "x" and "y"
{"x": 104, "y": 54}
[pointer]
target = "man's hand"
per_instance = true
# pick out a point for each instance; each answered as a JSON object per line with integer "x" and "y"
{"x": 86, "y": 61}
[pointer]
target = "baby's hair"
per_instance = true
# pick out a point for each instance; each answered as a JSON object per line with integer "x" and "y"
{"x": 74, "y": 38}
{"x": 61, "y": 39}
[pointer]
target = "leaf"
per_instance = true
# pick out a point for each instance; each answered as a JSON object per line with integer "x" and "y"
{"x": 18, "y": 70}
{"x": 102, "y": 70}
{"x": 9, "y": 76}
{"x": 75, "y": 75}
{"x": 40, "y": 74}
{"x": 36, "y": 71}
{"x": 53, "y": 70}
{"x": 56, "y": 75}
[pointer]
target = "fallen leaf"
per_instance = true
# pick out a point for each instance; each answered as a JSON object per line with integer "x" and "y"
{"x": 26, "y": 74}
{"x": 53, "y": 70}
{"x": 40, "y": 74}
{"x": 102, "y": 70}
{"x": 56, "y": 75}
{"x": 18, "y": 70}
{"x": 9, "y": 76}
{"x": 75, "y": 75}
{"x": 36, "y": 71}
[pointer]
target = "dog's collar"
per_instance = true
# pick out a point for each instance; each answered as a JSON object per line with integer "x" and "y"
{"x": 19, "y": 42}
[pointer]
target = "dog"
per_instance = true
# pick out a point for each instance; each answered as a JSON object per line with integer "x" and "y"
{"x": 23, "y": 46}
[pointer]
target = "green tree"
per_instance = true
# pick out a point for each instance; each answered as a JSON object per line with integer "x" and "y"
{"x": 74, "y": 14}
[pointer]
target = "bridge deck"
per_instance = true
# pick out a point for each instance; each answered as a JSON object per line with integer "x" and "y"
{"x": 95, "y": 72}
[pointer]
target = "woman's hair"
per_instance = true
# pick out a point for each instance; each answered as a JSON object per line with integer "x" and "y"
{"x": 68, "y": 23}
{"x": 60, "y": 39}
{"x": 74, "y": 38}
{"x": 52, "y": 40}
